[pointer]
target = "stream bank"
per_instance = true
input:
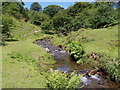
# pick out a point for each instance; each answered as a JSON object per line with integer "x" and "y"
{"x": 65, "y": 63}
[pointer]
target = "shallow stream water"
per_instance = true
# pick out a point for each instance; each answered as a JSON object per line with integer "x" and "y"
{"x": 66, "y": 64}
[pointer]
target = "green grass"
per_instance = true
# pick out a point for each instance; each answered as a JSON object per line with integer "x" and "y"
{"x": 102, "y": 41}
{"x": 0, "y": 67}
{"x": 19, "y": 73}
{"x": 93, "y": 40}
{"x": 25, "y": 30}
{"x": 23, "y": 60}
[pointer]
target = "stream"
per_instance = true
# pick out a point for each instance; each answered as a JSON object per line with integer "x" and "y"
{"x": 66, "y": 64}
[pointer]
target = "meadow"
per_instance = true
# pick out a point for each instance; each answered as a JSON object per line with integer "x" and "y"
{"x": 23, "y": 59}
{"x": 88, "y": 32}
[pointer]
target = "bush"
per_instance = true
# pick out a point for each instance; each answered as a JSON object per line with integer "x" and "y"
{"x": 7, "y": 23}
{"x": 76, "y": 50}
{"x": 58, "y": 80}
{"x": 61, "y": 22}
{"x": 14, "y": 9}
{"x": 47, "y": 26}
{"x": 37, "y": 17}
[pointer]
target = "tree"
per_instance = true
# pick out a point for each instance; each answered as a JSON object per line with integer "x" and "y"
{"x": 104, "y": 16}
{"x": 51, "y": 10}
{"x": 35, "y": 6}
{"x": 15, "y": 9}
{"x": 37, "y": 18}
{"x": 78, "y": 7}
{"x": 61, "y": 22}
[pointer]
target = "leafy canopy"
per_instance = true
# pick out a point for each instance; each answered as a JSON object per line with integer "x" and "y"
{"x": 35, "y": 6}
{"x": 51, "y": 10}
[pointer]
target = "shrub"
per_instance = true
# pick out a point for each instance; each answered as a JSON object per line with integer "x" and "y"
{"x": 58, "y": 80}
{"x": 61, "y": 22}
{"x": 7, "y": 23}
{"x": 37, "y": 17}
{"x": 14, "y": 9}
{"x": 76, "y": 50}
{"x": 47, "y": 26}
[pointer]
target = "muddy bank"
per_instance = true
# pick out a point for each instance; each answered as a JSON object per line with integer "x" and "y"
{"x": 66, "y": 64}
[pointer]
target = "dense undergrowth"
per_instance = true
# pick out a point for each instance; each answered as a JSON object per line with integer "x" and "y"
{"x": 58, "y": 80}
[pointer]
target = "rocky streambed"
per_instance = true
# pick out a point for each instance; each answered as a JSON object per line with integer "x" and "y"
{"x": 66, "y": 64}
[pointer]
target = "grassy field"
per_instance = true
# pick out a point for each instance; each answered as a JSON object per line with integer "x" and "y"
{"x": 17, "y": 72}
{"x": 100, "y": 40}
{"x": 23, "y": 60}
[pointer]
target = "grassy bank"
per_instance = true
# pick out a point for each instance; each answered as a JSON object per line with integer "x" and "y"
{"x": 101, "y": 41}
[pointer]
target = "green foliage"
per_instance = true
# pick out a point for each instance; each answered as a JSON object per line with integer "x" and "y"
{"x": 15, "y": 9}
{"x": 37, "y": 18}
{"x": 20, "y": 57}
{"x": 58, "y": 80}
{"x": 76, "y": 50}
{"x": 90, "y": 16}
{"x": 112, "y": 67}
{"x": 78, "y": 7}
{"x": 7, "y": 23}
{"x": 83, "y": 15}
{"x": 61, "y": 22}
{"x": 51, "y": 10}
{"x": 35, "y": 6}
{"x": 103, "y": 16}
{"x": 47, "y": 25}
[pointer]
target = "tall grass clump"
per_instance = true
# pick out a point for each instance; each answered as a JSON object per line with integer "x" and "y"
{"x": 58, "y": 80}
{"x": 112, "y": 68}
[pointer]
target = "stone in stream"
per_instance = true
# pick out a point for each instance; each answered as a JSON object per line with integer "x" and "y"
{"x": 94, "y": 71}
{"x": 47, "y": 49}
{"x": 63, "y": 51}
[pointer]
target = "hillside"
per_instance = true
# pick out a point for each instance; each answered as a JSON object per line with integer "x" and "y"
{"x": 20, "y": 58}
{"x": 97, "y": 40}
{"x": 60, "y": 48}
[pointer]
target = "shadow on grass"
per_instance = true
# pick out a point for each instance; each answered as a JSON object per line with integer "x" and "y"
{"x": 3, "y": 43}
{"x": 11, "y": 40}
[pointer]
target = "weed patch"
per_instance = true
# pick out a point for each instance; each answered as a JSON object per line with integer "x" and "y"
{"x": 112, "y": 67}
{"x": 58, "y": 80}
